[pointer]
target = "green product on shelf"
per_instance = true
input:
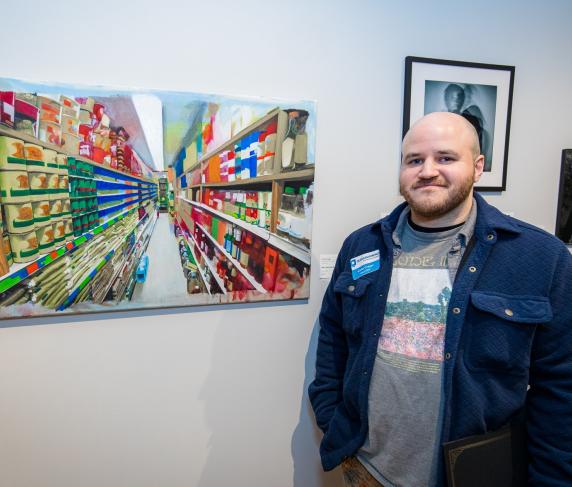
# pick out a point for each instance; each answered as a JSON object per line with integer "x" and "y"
{"x": 214, "y": 228}
{"x": 77, "y": 226}
{"x": 84, "y": 223}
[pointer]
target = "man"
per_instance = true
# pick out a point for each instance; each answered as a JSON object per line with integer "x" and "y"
{"x": 437, "y": 319}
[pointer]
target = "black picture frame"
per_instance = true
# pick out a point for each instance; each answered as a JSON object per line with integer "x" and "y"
{"x": 564, "y": 209}
{"x": 486, "y": 94}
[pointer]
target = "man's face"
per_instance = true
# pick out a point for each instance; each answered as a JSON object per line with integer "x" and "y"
{"x": 438, "y": 168}
{"x": 454, "y": 98}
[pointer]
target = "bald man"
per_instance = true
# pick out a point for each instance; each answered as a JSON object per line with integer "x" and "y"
{"x": 444, "y": 320}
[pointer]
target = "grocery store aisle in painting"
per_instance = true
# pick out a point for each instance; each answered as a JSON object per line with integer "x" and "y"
{"x": 165, "y": 280}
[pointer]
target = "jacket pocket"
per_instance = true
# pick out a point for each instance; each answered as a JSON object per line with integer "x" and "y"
{"x": 501, "y": 330}
{"x": 352, "y": 293}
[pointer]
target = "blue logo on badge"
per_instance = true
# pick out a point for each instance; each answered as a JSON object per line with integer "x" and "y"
{"x": 365, "y": 264}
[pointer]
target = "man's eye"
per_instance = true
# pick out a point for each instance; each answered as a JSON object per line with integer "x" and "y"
{"x": 444, "y": 159}
{"x": 414, "y": 162}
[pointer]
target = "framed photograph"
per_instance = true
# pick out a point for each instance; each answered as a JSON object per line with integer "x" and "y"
{"x": 564, "y": 209}
{"x": 482, "y": 93}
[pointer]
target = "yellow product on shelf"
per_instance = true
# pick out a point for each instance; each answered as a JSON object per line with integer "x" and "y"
{"x": 56, "y": 209}
{"x": 38, "y": 185}
{"x": 12, "y": 154}
{"x": 41, "y": 211}
{"x": 59, "y": 232}
{"x": 14, "y": 187}
{"x": 63, "y": 183}
{"x": 62, "y": 161}
{"x": 66, "y": 210}
{"x": 68, "y": 229}
{"x": 51, "y": 161}
{"x": 45, "y": 236}
{"x": 7, "y": 249}
{"x": 70, "y": 143}
{"x": 24, "y": 246}
{"x": 54, "y": 186}
{"x": 19, "y": 217}
{"x": 34, "y": 157}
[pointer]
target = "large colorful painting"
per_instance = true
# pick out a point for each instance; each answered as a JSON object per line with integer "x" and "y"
{"x": 115, "y": 199}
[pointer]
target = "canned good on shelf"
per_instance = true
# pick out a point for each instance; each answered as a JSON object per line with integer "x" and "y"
{"x": 24, "y": 246}
{"x": 63, "y": 183}
{"x": 66, "y": 210}
{"x": 38, "y": 185}
{"x": 50, "y": 132}
{"x": 12, "y": 154}
{"x": 19, "y": 217}
{"x": 68, "y": 229}
{"x": 7, "y": 249}
{"x": 59, "y": 231}
{"x": 45, "y": 235}
{"x": 34, "y": 157}
{"x": 41, "y": 211}
{"x": 53, "y": 183}
{"x": 50, "y": 158}
{"x": 56, "y": 208}
{"x": 14, "y": 186}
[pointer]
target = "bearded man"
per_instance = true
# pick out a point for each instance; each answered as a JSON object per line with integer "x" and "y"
{"x": 445, "y": 320}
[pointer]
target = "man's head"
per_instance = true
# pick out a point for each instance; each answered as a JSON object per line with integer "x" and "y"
{"x": 441, "y": 161}
{"x": 454, "y": 98}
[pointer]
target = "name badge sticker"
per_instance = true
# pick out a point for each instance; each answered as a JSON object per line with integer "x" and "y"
{"x": 365, "y": 264}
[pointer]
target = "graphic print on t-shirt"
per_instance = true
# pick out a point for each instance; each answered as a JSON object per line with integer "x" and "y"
{"x": 413, "y": 331}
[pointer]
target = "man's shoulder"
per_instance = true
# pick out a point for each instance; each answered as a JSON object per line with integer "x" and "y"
{"x": 531, "y": 235}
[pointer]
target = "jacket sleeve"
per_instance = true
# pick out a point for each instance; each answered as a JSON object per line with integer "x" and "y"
{"x": 549, "y": 400}
{"x": 325, "y": 391}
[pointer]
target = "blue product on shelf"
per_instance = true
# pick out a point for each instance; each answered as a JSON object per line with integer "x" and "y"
{"x": 141, "y": 273}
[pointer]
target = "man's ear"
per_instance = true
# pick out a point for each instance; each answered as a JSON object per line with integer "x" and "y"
{"x": 479, "y": 167}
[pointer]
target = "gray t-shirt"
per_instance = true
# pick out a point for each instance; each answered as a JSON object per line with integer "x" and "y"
{"x": 405, "y": 394}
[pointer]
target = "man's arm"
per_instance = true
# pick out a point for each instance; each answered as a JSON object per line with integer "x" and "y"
{"x": 549, "y": 400}
{"x": 325, "y": 391}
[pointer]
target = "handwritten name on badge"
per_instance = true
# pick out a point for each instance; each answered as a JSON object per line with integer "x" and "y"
{"x": 365, "y": 264}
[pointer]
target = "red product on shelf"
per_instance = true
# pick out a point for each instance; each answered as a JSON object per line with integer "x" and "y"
{"x": 7, "y": 107}
{"x": 270, "y": 266}
{"x": 98, "y": 111}
{"x": 26, "y": 117}
{"x": 98, "y": 155}
{"x": 86, "y": 149}
{"x": 86, "y": 132}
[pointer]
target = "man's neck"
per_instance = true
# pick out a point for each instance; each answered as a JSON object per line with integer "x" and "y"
{"x": 454, "y": 217}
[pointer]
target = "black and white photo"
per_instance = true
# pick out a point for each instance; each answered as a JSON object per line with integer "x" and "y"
{"x": 482, "y": 93}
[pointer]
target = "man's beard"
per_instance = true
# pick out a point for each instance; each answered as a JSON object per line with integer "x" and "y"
{"x": 435, "y": 209}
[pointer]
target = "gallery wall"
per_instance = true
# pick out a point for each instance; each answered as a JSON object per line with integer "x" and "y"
{"x": 215, "y": 396}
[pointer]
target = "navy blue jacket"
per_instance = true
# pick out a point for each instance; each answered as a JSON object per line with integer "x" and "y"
{"x": 509, "y": 324}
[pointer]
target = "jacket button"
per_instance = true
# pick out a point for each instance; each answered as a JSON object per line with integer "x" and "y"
{"x": 508, "y": 312}
{"x": 490, "y": 236}
{"x": 472, "y": 269}
{"x": 351, "y": 289}
{"x": 456, "y": 310}
{"x": 447, "y": 356}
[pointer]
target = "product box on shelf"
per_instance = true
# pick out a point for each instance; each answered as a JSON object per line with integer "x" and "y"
{"x": 26, "y": 118}
{"x": 85, "y": 103}
{"x": 50, "y": 109}
{"x": 70, "y": 107}
{"x": 71, "y": 143}
{"x": 7, "y": 107}
{"x": 50, "y": 132}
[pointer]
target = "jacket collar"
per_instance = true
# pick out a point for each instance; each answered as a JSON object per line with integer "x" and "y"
{"x": 489, "y": 220}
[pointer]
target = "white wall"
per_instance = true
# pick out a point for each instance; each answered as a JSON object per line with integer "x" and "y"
{"x": 215, "y": 397}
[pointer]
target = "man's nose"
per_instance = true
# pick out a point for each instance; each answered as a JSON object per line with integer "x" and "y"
{"x": 428, "y": 169}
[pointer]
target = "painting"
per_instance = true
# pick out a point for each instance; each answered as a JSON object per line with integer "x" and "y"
{"x": 116, "y": 199}
{"x": 481, "y": 93}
